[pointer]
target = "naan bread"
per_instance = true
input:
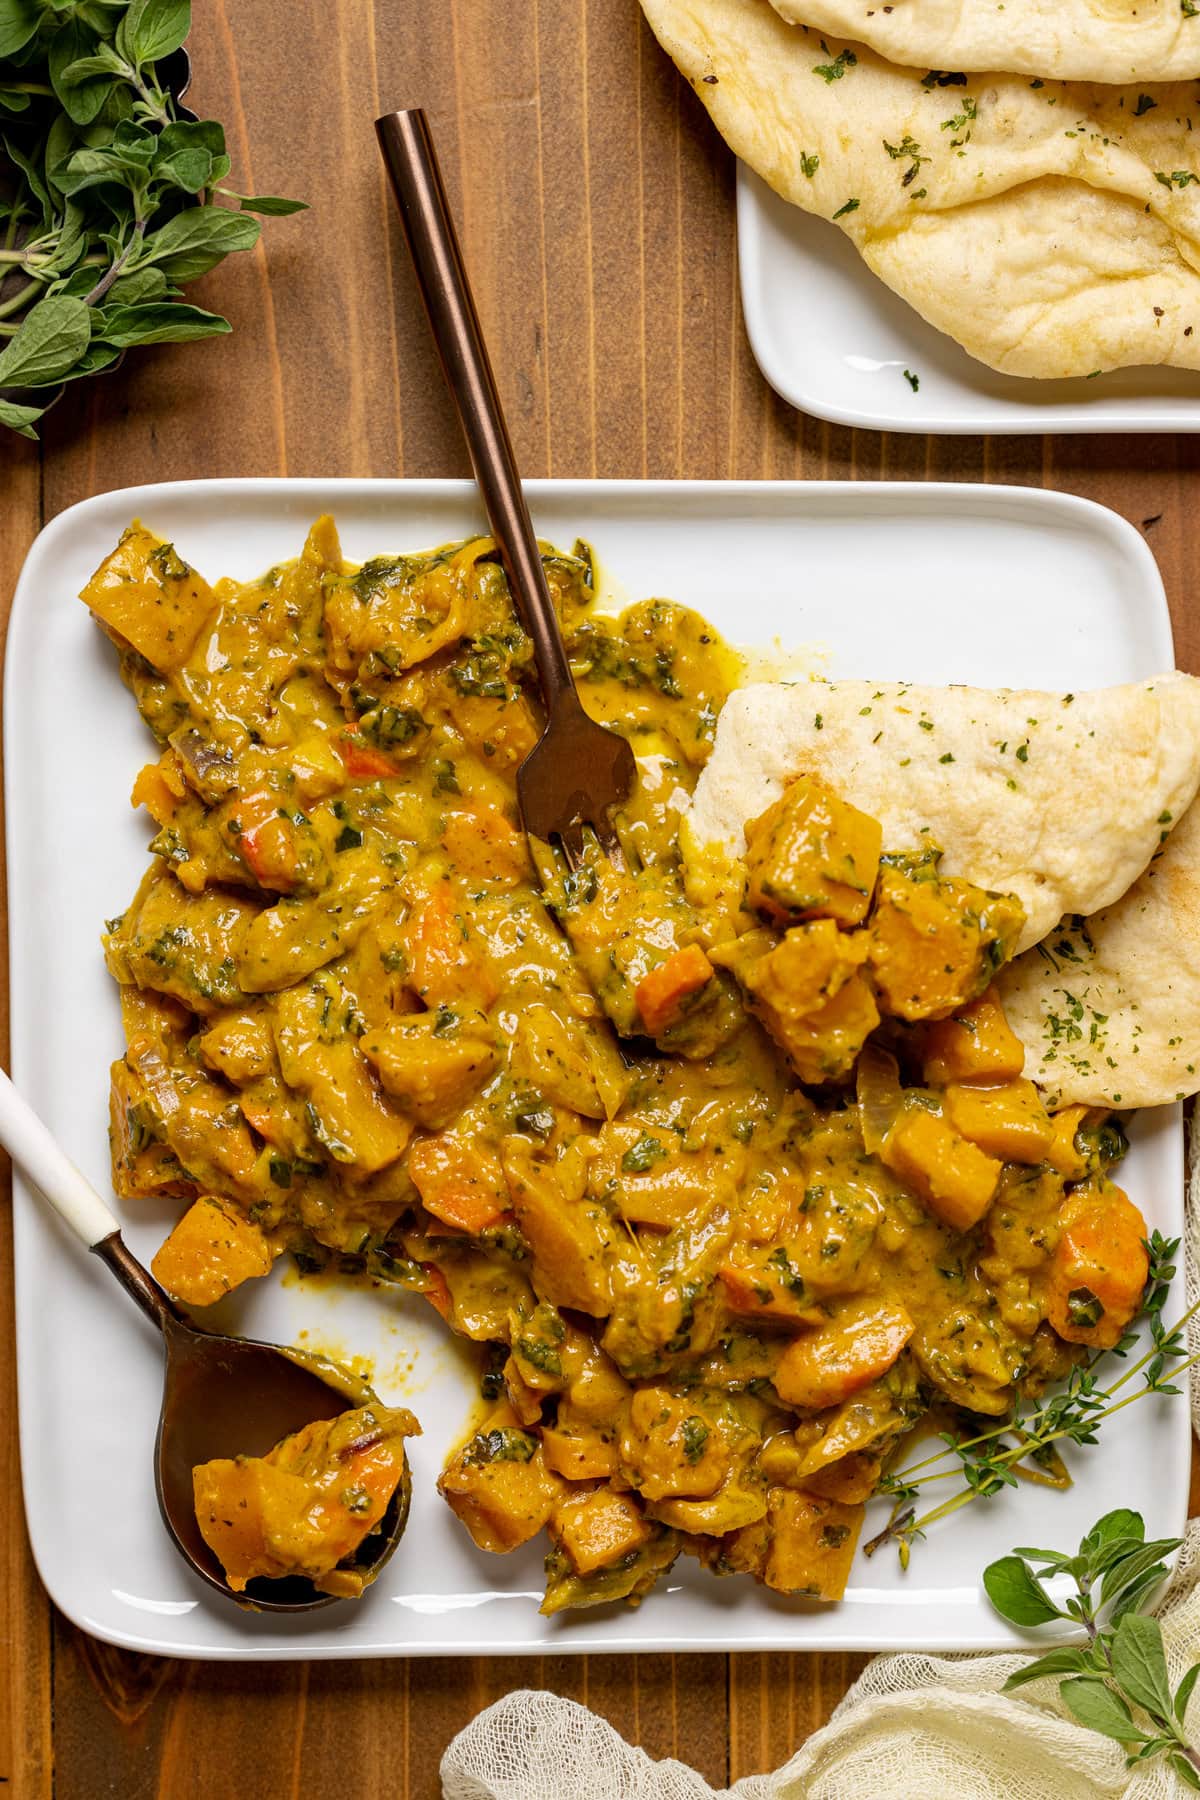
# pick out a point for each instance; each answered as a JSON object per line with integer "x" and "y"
{"x": 1060, "y": 799}
{"x": 1074, "y": 40}
{"x": 1053, "y": 229}
{"x": 1109, "y": 1011}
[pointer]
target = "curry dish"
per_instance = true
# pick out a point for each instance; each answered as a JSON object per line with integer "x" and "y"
{"x": 731, "y": 1183}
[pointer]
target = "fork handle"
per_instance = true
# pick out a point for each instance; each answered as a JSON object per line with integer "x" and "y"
{"x": 407, "y": 146}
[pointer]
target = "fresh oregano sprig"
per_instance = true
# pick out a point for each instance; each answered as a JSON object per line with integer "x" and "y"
{"x": 1117, "y": 1682}
{"x": 1024, "y": 1446}
{"x": 109, "y": 201}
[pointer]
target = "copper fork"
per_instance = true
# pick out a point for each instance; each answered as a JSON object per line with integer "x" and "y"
{"x": 579, "y": 770}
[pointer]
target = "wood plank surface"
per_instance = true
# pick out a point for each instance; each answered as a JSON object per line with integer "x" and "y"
{"x": 596, "y": 207}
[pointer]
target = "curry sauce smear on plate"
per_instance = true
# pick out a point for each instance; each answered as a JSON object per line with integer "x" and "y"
{"x": 732, "y": 1182}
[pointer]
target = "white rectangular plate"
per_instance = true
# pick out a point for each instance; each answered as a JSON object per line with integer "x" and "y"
{"x": 835, "y": 341}
{"x": 990, "y": 585}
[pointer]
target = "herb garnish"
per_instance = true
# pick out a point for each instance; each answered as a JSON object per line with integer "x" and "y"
{"x": 1024, "y": 1444}
{"x": 1119, "y": 1677}
{"x": 109, "y": 201}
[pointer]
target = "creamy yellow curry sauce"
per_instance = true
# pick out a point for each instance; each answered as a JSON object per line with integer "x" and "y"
{"x": 731, "y": 1181}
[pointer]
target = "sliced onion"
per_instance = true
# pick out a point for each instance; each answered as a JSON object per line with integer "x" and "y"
{"x": 880, "y": 1095}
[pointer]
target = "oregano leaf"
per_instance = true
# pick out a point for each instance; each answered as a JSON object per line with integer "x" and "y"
{"x": 270, "y": 204}
{"x": 1095, "y": 1705}
{"x": 196, "y": 240}
{"x": 97, "y": 167}
{"x": 1139, "y": 1663}
{"x": 1055, "y": 1662}
{"x": 1135, "y": 1567}
{"x": 1122, "y": 1522}
{"x": 52, "y": 337}
{"x": 19, "y": 20}
{"x": 165, "y": 322}
{"x": 1017, "y": 1594}
{"x": 20, "y": 419}
{"x": 152, "y": 29}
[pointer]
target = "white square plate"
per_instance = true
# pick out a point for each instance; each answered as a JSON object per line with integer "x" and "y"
{"x": 836, "y": 342}
{"x": 940, "y": 583}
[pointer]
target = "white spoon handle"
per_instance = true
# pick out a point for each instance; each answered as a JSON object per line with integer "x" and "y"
{"x": 56, "y": 1178}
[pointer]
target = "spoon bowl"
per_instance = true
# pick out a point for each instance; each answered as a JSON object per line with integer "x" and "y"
{"x": 222, "y": 1396}
{"x": 234, "y": 1396}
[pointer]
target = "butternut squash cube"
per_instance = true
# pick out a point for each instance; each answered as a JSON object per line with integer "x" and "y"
{"x": 954, "y": 1178}
{"x": 770, "y": 1288}
{"x": 975, "y": 1043}
{"x": 578, "y": 1455}
{"x": 239, "y": 1046}
{"x": 651, "y": 1178}
{"x": 808, "y": 992}
{"x": 811, "y": 1544}
{"x": 146, "y": 594}
{"x": 500, "y": 1487}
{"x": 852, "y": 1480}
{"x": 812, "y": 855}
{"x": 212, "y": 1250}
{"x": 570, "y": 1238}
{"x": 1009, "y": 1122}
{"x": 432, "y": 1071}
{"x": 936, "y": 940}
{"x": 599, "y": 1528}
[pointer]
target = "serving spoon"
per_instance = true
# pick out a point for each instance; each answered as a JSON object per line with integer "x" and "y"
{"x": 578, "y": 770}
{"x": 222, "y": 1396}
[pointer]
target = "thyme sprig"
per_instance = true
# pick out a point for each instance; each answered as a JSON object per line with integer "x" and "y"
{"x": 1024, "y": 1446}
{"x": 1116, "y": 1682}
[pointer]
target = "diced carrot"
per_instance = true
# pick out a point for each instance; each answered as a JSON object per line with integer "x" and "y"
{"x": 459, "y": 1182}
{"x": 825, "y": 1367}
{"x": 213, "y": 1249}
{"x": 661, "y": 993}
{"x": 363, "y": 762}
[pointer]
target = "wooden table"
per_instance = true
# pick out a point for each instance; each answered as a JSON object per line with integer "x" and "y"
{"x": 596, "y": 206}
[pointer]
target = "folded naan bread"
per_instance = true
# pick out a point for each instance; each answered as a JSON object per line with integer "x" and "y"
{"x": 1075, "y": 40}
{"x": 1061, "y": 799}
{"x": 1052, "y": 228}
{"x": 1109, "y": 1010}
